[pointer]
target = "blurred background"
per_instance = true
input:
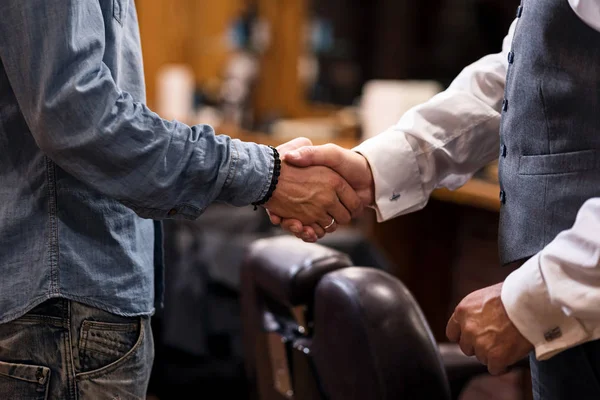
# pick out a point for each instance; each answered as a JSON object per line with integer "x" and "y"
{"x": 334, "y": 71}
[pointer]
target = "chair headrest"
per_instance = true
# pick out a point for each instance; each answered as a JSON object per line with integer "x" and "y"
{"x": 371, "y": 340}
{"x": 288, "y": 269}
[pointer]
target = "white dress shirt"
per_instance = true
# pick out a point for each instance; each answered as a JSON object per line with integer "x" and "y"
{"x": 442, "y": 143}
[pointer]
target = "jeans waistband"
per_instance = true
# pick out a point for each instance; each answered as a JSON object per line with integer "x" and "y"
{"x": 58, "y": 308}
{"x": 63, "y": 310}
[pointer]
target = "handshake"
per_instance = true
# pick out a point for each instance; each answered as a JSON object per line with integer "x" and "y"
{"x": 319, "y": 187}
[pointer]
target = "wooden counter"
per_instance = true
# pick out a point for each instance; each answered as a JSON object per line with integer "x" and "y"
{"x": 475, "y": 193}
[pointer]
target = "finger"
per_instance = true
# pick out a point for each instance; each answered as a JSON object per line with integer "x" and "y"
{"x": 275, "y": 219}
{"x": 453, "y": 329}
{"x": 330, "y": 225}
{"x": 309, "y": 235}
{"x": 339, "y": 213}
{"x": 349, "y": 199}
{"x": 332, "y": 228}
{"x": 466, "y": 345}
{"x": 318, "y": 230}
{"x": 292, "y": 225}
{"x": 495, "y": 369}
{"x": 481, "y": 355}
{"x": 328, "y": 155}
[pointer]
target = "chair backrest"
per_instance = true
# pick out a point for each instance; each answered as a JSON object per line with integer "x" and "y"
{"x": 317, "y": 328}
{"x": 277, "y": 284}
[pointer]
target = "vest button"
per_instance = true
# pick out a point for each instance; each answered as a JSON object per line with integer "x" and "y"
{"x": 519, "y": 11}
{"x": 505, "y": 104}
{"x": 503, "y": 150}
{"x": 511, "y": 57}
{"x": 502, "y": 197}
{"x": 172, "y": 212}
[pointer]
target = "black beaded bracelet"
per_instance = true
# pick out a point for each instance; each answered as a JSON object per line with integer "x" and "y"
{"x": 274, "y": 179}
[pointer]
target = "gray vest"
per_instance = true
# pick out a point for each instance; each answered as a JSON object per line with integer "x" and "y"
{"x": 550, "y": 130}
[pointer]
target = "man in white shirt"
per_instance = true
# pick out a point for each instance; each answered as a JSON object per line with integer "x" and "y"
{"x": 542, "y": 94}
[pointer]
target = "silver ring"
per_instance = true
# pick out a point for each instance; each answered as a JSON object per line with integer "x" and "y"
{"x": 331, "y": 224}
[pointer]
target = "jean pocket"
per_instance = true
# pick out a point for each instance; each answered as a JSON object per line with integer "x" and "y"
{"x": 23, "y": 382}
{"x": 559, "y": 163}
{"x": 105, "y": 343}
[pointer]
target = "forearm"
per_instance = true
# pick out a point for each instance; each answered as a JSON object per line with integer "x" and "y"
{"x": 442, "y": 142}
{"x": 129, "y": 153}
{"x": 435, "y": 145}
{"x": 98, "y": 133}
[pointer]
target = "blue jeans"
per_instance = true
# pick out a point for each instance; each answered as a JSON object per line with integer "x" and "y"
{"x": 69, "y": 351}
{"x": 572, "y": 374}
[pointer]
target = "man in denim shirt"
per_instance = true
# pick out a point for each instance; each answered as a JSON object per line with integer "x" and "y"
{"x": 85, "y": 169}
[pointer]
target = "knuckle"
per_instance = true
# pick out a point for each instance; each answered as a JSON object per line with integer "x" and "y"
{"x": 334, "y": 153}
{"x": 459, "y": 309}
{"x": 330, "y": 201}
{"x": 469, "y": 326}
{"x": 308, "y": 150}
{"x": 335, "y": 181}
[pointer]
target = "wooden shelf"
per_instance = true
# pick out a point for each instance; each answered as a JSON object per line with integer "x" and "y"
{"x": 476, "y": 193}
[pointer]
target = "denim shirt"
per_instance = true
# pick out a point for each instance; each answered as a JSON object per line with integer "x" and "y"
{"x": 86, "y": 168}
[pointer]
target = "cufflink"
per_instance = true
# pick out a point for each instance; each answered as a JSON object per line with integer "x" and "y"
{"x": 553, "y": 334}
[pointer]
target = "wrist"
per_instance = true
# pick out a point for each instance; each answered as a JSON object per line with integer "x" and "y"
{"x": 274, "y": 179}
{"x": 368, "y": 194}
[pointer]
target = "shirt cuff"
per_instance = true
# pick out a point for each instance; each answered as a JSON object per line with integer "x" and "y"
{"x": 529, "y": 307}
{"x": 398, "y": 186}
{"x": 249, "y": 173}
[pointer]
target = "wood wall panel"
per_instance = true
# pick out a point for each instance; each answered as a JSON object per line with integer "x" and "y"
{"x": 209, "y": 43}
{"x": 164, "y": 29}
{"x": 277, "y": 90}
{"x": 193, "y": 32}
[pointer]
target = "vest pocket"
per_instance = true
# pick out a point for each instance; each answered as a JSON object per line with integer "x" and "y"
{"x": 21, "y": 381}
{"x": 559, "y": 163}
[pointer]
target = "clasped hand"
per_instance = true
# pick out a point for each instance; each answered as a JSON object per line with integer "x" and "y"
{"x": 319, "y": 185}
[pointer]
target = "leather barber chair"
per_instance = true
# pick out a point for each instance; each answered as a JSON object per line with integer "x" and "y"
{"x": 317, "y": 328}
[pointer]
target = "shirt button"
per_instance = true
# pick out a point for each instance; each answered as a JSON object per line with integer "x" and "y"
{"x": 503, "y": 150}
{"x": 502, "y": 197}
{"x": 172, "y": 212}
{"x": 504, "y": 104}
{"x": 519, "y": 11}
{"x": 511, "y": 57}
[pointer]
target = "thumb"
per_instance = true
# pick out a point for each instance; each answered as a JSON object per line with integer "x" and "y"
{"x": 294, "y": 144}
{"x": 328, "y": 155}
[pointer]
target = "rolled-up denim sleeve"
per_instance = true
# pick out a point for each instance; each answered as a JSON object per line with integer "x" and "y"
{"x": 52, "y": 52}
